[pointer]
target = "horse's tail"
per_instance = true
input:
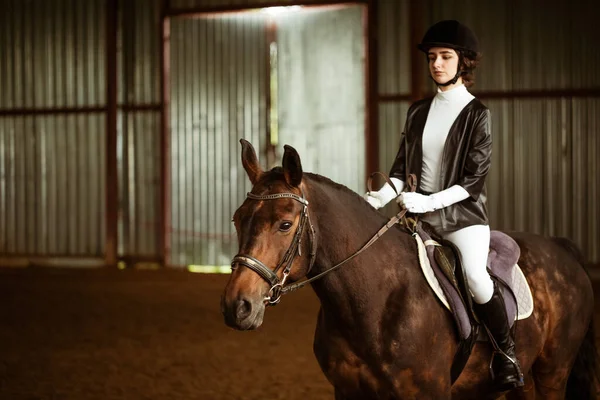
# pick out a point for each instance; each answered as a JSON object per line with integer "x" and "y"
{"x": 584, "y": 379}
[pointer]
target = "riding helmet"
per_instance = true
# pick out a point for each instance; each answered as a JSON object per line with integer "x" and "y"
{"x": 451, "y": 34}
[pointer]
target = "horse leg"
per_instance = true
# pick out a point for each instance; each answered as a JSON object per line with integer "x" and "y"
{"x": 552, "y": 368}
{"x": 550, "y": 378}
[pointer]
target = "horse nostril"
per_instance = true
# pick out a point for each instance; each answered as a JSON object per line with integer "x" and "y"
{"x": 243, "y": 309}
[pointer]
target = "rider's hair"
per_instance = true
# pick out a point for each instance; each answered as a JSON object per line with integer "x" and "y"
{"x": 470, "y": 61}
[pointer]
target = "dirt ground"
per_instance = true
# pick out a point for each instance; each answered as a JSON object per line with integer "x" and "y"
{"x": 98, "y": 334}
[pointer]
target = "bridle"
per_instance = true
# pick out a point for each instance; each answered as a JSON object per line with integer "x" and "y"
{"x": 295, "y": 249}
{"x": 277, "y": 289}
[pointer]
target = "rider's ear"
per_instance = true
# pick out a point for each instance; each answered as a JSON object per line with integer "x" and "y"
{"x": 250, "y": 161}
{"x": 292, "y": 168}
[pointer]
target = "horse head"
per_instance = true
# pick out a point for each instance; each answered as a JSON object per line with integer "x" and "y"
{"x": 274, "y": 236}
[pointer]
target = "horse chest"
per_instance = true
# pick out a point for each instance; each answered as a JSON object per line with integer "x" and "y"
{"x": 346, "y": 370}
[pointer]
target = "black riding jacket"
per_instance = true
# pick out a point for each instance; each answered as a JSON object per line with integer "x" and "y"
{"x": 465, "y": 160}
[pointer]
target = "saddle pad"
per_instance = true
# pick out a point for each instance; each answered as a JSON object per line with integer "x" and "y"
{"x": 518, "y": 283}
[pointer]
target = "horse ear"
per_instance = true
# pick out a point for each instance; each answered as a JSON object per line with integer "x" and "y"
{"x": 292, "y": 168}
{"x": 250, "y": 161}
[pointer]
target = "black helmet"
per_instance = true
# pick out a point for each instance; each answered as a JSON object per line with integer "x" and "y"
{"x": 452, "y": 34}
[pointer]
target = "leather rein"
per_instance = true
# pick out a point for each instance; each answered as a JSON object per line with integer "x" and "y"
{"x": 277, "y": 285}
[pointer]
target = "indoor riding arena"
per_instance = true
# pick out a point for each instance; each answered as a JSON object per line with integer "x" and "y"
{"x": 121, "y": 170}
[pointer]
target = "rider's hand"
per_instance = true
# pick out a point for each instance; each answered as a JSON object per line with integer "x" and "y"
{"x": 418, "y": 203}
{"x": 381, "y": 197}
{"x": 374, "y": 199}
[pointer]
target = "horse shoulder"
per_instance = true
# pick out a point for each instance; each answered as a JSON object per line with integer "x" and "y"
{"x": 407, "y": 353}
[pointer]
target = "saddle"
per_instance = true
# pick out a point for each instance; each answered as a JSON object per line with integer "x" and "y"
{"x": 443, "y": 271}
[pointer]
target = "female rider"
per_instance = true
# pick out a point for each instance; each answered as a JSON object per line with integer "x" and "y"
{"x": 447, "y": 144}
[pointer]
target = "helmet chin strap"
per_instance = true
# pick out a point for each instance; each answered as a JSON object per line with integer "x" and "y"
{"x": 450, "y": 82}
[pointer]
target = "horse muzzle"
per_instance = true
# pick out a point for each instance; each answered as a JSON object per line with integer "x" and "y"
{"x": 243, "y": 313}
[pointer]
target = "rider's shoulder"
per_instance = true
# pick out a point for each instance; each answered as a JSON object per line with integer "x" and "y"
{"x": 420, "y": 105}
{"x": 478, "y": 106}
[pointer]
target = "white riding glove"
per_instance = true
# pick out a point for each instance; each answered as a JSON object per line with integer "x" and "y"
{"x": 417, "y": 203}
{"x": 380, "y": 198}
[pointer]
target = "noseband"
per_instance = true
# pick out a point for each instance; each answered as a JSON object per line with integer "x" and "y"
{"x": 287, "y": 260}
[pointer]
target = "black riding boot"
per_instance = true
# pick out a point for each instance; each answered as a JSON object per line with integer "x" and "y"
{"x": 505, "y": 368}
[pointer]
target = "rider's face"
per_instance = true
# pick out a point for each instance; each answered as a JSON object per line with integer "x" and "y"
{"x": 443, "y": 64}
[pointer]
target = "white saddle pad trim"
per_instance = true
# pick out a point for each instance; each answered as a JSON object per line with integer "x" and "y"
{"x": 428, "y": 271}
{"x": 520, "y": 286}
{"x": 523, "y": 293}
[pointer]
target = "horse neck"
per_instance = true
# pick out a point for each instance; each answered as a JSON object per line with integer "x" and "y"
{"x": 344, "y": 224}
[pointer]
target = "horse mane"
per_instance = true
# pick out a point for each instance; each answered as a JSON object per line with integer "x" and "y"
{"x": 355, "y": 199}
{"x": 334, "y": 185}
{"x": 276, "y": 173}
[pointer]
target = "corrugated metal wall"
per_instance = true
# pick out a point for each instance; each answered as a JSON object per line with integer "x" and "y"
{"x": 187, "y": 4}
{"x": 219, "y": 90}
{"x": 321, "y": 56}
{"x": 139, "y": 129}
{"x": 394, "y": 50}
{"x": 219, "y": 93}
{"x": 394, "y": 78}
{"x": 52, "y": 173}
{"x": 53, "y": 118}
{"x": 544, "y": 173}
{"x": 536, "y": 44}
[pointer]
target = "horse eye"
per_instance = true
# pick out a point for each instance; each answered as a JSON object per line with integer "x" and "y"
{"x": 285, "y": 226}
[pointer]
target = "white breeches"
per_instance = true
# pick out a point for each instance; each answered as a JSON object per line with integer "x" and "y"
{"x": 473, "y": 242}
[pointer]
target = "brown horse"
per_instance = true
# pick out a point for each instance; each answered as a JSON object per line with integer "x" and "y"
{"x": 381, "y": 332}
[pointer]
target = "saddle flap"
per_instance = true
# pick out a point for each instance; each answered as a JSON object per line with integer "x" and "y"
{"x": 437, "y": 263}
{"x": 446, "y": 261}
